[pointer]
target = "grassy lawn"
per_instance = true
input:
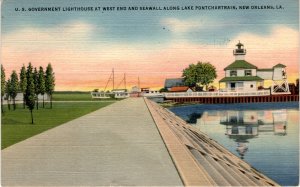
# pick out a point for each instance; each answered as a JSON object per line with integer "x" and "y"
{"x": 74, "y": 96}
{"x": 16, "y": 125}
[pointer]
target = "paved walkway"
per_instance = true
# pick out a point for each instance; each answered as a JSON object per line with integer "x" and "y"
{"x": 116, "y": 145}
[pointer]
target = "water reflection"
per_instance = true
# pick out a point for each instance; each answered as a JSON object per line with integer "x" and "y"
{"x": 251, "y": 123}
{"x": 241, "y": 126}
{"x": 266, "y": 135}
{"x": 193, "y": 117}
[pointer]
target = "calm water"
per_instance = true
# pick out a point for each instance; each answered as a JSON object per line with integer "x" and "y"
{"x": 264, "y": 135}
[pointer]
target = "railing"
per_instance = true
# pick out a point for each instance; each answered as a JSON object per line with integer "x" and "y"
{"x": 104, "y": 95}
{"x": 218, "y": 94}
{"x": 157, "y": 94}
{"x": 100, "y": 95}
{"x": 121, "y": 95}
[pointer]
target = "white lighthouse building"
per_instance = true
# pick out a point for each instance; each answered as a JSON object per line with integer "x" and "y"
{"x": 242, "y": 76}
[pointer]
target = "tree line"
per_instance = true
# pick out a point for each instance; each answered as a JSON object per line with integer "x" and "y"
{"x": 31, "y": 82}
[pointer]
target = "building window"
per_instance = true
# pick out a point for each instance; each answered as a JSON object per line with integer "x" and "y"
{"x": 233, "y": 73}
{"x": 248, "y": 73}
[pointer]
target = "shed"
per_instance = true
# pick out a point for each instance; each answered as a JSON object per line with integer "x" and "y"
{"x": 180, "y": 89}
{"x": 169, "y": 83}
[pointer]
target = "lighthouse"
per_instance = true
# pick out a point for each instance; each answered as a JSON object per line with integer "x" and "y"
{"x": 242, "y": 76}
{"x": 239, "y": 52}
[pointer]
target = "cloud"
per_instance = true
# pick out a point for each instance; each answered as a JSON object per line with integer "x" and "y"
{"x": 180, "y": 26}
{"x": 78, "y": 28}
{"x": 281, "y": 37}
{"x": 80, "y": 63}
{"x": 47, "y": 37}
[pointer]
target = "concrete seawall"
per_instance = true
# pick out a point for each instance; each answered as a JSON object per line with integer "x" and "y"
{"x": 200, "y": 160}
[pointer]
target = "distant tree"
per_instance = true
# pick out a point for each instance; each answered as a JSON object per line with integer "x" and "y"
{"x": 163, "y": 90}
{"x": 7, "y": 92}
{"x": 202, "y": 73}
{"x": 36, "y": 86}
{"x": 50, "y": 82}
{"x": 2, "y": 86}
{"x": 41, "y": 83}
{"x": 30, "y": 90}
{"x": 14, "y": 87}
{"x": 297, "y": 86}
{"x": 23, "y": 83}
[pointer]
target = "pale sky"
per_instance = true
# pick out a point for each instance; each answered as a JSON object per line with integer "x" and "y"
{"x": 84, "y": 46}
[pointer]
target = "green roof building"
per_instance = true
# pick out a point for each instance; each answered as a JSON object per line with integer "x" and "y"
{"x": 242, "y": 76}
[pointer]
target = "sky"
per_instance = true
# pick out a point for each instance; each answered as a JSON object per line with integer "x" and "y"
{"x": 84, "y": 46}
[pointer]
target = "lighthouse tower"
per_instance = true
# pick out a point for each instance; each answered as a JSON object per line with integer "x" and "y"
{"x": 240, "y": 52}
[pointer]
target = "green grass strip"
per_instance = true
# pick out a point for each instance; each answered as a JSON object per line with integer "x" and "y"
{"x": 16, "y": 125}
{"x": 75, "y": 96}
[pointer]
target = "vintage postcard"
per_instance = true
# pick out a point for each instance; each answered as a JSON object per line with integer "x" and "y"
{"x": 150, "y": 93}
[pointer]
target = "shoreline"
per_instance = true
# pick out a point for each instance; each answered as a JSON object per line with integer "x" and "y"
{"x": 178, "y": 104}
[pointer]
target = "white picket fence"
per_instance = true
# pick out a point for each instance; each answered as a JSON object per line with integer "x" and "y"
{"x": 19, "y": 97}
{"x": 217, "y": 94}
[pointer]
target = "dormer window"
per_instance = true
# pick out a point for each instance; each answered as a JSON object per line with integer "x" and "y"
{"x": 233, "y": 73}
{"x": 248, "y": 73}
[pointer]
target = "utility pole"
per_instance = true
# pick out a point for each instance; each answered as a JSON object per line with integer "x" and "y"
{"x": 125, "y": 80}
{"x": 113, "y": 78}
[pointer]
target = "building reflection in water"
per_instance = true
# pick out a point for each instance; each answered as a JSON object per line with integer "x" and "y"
{"x": 244, "y": 125}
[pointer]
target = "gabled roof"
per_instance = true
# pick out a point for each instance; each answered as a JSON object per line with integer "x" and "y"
{"x": 240, "y": 64}
{"x": 173, "y": 82}
{"x": 179, "y": 89}
{"x": 279, "y": 66}
{"x": 244, "y": 78}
